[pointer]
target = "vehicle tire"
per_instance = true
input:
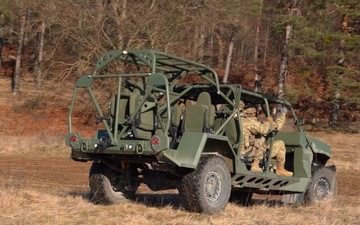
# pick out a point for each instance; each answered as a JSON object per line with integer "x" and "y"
{"x": 107, "y": 186}
{"x": 323, "y": 186}
{"x": 207, "y": 189}
{"x": 241, "y": 197}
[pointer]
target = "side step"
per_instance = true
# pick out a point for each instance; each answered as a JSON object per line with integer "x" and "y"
{"x": 266, "y": 181}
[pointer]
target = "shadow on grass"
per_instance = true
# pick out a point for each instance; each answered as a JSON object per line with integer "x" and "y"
{"x": 86, "y": 196}
{"x": 174, "y": 200}
{"x": 160, "y": 200}
{"x": 266, "y": 202}
{"x": 151, "y": 200}
{"x": 256, "y": 202}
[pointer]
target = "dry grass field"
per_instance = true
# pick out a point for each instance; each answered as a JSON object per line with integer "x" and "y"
{"x": 39, "y": 184}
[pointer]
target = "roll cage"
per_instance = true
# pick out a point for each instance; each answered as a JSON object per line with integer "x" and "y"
{"x": 167, "y": 77}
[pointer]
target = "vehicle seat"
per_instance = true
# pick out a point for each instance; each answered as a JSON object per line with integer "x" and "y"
{"x": 176, "y": 112}
{"x": 220, "y": 118}
{"x": 200, "y": 116}
{"x": 123, "y": 108}
{"x": 232, "y": 130}
{"x": 144, "y": 124}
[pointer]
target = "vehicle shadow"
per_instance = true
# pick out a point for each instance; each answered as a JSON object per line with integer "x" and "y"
{"x": 152, "y": 199}
{"x": 174, "y": 200}
{"x": 266, "y": 202}
{"x": 83, "y": 194}
{"x": 160, "y": 200}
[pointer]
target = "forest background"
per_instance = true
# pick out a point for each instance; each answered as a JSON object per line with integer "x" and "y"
{"x": 305, "y": 51}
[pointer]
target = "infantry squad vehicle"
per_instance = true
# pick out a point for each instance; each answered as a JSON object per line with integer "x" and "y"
{"x": 168, "y": 123}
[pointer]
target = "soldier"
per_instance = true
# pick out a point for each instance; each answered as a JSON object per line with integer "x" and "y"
{"x": 254, "y": 147}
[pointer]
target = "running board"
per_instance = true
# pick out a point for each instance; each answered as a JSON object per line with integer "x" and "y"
{"x": 269, "y": 181}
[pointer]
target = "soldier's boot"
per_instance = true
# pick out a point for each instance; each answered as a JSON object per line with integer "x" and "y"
{"x": 255, "y": 166}
{"x": 280, "y": 170}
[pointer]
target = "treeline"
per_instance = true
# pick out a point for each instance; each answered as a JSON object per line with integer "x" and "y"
{"x": 306, "y": 51}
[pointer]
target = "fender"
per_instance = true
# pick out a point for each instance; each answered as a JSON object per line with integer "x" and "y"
{"x": 318, "y": 146}
{"x": 194, "y": 144}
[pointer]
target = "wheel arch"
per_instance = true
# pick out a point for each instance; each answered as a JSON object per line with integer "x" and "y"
{"x": 223, "y": 149}
{"x": 320, "y": 159}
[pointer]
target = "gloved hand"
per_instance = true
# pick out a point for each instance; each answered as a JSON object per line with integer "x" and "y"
{"x": 284, "y": 110}
{"x": 270, "y": 120}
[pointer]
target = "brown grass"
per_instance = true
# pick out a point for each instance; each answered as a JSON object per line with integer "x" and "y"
{"x": 19, "y": 206}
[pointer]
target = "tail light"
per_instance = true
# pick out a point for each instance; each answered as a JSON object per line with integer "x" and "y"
{"x": 155, "y": 142}
{"x": 73, "y": 140}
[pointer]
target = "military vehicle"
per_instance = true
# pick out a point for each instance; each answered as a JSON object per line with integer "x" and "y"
{"x": 169, "y": 123}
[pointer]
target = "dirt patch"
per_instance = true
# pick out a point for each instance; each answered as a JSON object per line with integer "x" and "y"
{"x": 45, "y": 174}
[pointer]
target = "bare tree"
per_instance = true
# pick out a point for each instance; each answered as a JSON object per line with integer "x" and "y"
{"x": 201, "y": 43}
{"x": 220, "y": 51}
{"x": 292, "y": 11}
{"x": 228, "y": 59}
{"x": 266, "y": 43}
{"x": 120, "y": 14}
{"x": 16, "y": 81}
{"x": 257, "y": 83}
{"x": 334, "y": 113}
{"x": 1, "y": 42}
{"x": 39, "y": 61}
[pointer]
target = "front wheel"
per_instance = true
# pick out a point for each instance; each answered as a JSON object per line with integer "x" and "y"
{"x": 207, "y": 189}
{"x": 323, "y": 186}
{"x": 108, "y": 186}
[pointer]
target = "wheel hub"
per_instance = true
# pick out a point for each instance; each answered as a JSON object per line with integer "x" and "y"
{"x": 322, "y": 188}
{"x": 213, "y": 186}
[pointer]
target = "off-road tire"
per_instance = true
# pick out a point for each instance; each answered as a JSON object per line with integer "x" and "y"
{"x": 207, "y": 189}
{"x": 323, "y": 186}
{"x": 103, "y": 187}
{"x": 322, "y": 176}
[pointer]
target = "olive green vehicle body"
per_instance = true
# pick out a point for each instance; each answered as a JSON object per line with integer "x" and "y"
{"x": 125, "y": 140}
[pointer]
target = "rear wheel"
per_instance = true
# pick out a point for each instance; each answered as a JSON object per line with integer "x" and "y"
{"x": 108, "y": 186}
{"x": 207, "y": 189}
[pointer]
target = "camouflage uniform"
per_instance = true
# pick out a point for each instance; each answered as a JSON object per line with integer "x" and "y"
{"x": 255, "y": 147}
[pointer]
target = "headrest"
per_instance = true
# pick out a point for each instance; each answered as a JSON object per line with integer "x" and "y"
{"x": 204, "y": 99}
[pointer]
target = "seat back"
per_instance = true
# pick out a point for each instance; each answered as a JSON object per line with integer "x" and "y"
{"x": 144, "y": 124}
{"x": 123, "y": 108}
{"x": 200, "y": 116}
{"x": 231, "y": 129}
{"x": 176, "y": 112}
{"x": 220, "y": 118}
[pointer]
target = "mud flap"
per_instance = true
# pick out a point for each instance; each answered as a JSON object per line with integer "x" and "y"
{"x": 190, "y": 149}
